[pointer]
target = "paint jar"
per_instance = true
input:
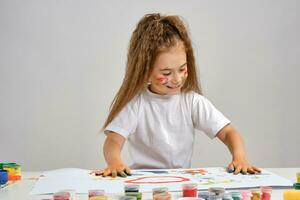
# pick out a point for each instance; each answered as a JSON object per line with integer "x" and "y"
{"x": 131, "y": 188}
{"x": 159, "y": 190}
{"x": 204, "y": 195}
{"x": 296, "y": 186}
{"x": 72, "y": 193}
{"x": 162, "y": 196}
{"x": 291, "y": 195}
{"x": 266, "y": 193}
{"x": 189, "y": 190}
{"x": 128, "y": 198}
{"x": 14, "y": 171}
{"x": 227, "y": 196}
{"x": 236, "y": 195}
{"x": 298, "y": 177}
{"x": 61, "y": 196}
{"x": 246, "y": 194}
{"x": 219, "y": 191}
{"x": 255, "y": 195}
{"x": 98, "y": 198}
{"x": 214, "y": 196}
{"x": 138, "y": 195}
{"x": 3, "y": 177}
{"x": 97, "y": 195}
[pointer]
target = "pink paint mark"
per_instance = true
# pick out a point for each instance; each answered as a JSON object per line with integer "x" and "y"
{"x": 196, "y": 171}
{"x": 162, "y": 79}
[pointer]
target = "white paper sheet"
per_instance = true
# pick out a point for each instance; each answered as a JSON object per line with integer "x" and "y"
{"x": 81, "y": 180}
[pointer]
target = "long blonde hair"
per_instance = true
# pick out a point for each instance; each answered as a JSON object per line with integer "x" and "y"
{"x": 153, "y": 34}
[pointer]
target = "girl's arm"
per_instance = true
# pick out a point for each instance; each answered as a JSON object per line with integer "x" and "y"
{"x": 232, "y": 139}
{"x": 112, "y": 154}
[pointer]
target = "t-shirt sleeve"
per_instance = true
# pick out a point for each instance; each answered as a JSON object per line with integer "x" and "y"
{"x": 206, "y": 117}
{"x": 125, "y": 121}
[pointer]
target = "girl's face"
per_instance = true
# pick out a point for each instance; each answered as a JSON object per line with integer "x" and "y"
{"x": 169, "y": 71}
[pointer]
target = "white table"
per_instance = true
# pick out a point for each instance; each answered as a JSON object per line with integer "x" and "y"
{"x": 20, "y": 189}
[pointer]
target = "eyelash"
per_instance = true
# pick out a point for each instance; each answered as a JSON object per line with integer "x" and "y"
{"x": 167, "y": 74}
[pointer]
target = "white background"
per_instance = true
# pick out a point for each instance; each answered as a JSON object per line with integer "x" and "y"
{"x": 62, "y": 61}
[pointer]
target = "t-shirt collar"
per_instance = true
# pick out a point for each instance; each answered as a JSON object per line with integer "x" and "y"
{"x": 160, "y": 96}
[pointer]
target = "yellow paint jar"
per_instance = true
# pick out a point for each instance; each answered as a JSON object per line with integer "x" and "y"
{"x": 14, "y": 171}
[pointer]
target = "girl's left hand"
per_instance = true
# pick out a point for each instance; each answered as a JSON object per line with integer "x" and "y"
{"x": 241, "y": 165}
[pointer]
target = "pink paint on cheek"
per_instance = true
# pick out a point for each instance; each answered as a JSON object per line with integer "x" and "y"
{"x": 162, "y": 79}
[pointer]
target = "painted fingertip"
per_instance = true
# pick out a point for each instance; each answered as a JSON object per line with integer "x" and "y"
{"x": 122, "y": 174}
{"x": 114, "y": 174}
{"x": 128, "y": 172}
{"x": 98, "y": 173}
{"x": 236, "y": 172}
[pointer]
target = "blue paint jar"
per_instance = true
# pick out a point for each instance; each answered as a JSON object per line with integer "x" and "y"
{"x": 3, "y": 177}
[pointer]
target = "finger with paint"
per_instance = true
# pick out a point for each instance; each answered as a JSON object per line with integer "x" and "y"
{"x": 230, "y": 168}
{"x": 114, "y": 173}
{"x": 257, "y": 170}
{"x": 237, "y": 169}
{"x": 254, "y": 170}
{"x": 106, "y": 172}
{"x": 122, "y": 174}
{"x": 251, "y": 170}
{"x": 244, "y": 170}
{"x": 127, "y": 171}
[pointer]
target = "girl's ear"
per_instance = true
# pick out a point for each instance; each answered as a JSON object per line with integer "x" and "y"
{"x": 149, "y": 81}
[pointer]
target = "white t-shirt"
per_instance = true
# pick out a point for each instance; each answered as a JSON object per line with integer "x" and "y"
{"x": 160, "y": 128}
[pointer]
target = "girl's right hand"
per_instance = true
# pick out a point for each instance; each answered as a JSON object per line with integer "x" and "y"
{"x": 114, "y": 170}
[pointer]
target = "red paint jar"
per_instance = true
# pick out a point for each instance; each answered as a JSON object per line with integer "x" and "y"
{"x": 266, "y": 193}
{"x": 61, "y": 196}
{"x": 189, "y": 190}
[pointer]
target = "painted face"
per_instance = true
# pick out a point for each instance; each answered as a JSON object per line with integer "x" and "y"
{"x": 169, "y": 71}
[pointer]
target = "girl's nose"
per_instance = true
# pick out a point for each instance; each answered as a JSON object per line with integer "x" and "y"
{"x": 176, "y": 78}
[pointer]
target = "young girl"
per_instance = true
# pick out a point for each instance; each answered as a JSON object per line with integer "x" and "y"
{"x": 160, "y": 104}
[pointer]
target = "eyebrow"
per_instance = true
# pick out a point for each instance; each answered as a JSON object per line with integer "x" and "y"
{"x": 170, "y": 69}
